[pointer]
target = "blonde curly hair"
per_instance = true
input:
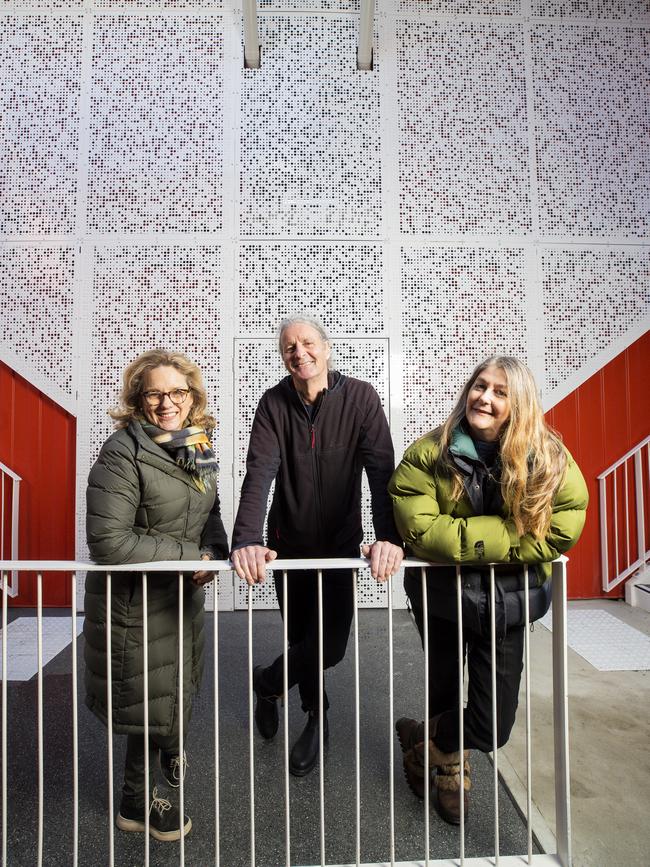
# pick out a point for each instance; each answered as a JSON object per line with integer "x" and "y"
{"x": 130, "y": 399}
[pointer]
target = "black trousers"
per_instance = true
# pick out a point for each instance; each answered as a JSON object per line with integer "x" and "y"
{"x": 443, "y": 677}
{"x": 301, "y": 610}
{"x": 134, "y": 783}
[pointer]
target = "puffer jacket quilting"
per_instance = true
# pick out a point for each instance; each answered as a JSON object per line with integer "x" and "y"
{"x": 142, "y": 507}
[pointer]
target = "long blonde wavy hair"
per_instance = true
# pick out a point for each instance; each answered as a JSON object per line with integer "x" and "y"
{"x": 130, "y": 399}
{"x": 533, "y": 460}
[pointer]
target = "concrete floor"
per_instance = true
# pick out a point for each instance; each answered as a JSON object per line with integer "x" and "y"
{"x": 269, "y": 812}
{"x": 609, "y": 739}
{"x": 610, "y": 764}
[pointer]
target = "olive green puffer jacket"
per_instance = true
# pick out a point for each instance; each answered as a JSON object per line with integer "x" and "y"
{"x": 141, "y": 506}
{"x": 437, "y": 528}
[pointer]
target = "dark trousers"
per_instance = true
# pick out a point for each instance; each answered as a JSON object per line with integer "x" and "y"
{"x": 134, "y": 783}
{"x": 443, "y": 678}
{"x": 301, "y": 610}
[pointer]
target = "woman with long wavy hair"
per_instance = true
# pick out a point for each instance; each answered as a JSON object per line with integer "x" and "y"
{"x": 493, "y": 484}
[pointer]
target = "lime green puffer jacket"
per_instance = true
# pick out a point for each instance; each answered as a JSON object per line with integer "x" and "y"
{"x": 437, "y": 528}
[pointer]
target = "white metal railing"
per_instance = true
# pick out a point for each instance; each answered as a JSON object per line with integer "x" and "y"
{"x": 623, "y": 489}
{"x": 9, "y": 518}
{"x": 560, "y": 712}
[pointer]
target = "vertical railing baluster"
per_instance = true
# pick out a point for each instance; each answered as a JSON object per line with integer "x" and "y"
{"x": 640, "y": 503}
{"x": 217, "y": 830}
{"x": 529, "y": 764}
{"x": 5, "y": 579}
{"x": 357, "y": 737}
{"x": 75, "y": 728}
{"x": 321, "y": 715}
{"x": 391, "y": 723}
{"x": 109, "y": 721}
{"x": 251, "y": 723}
{"x": 145, "y": 706}
{"x": 181, "y": 712}
{"x": 285, "y": 687}
{"x": 627, "y": 515}
{"x": 427, "y": 770}
{"x": 616, "y": 559}
{"x": 461, "y": 707}
{"x": 39, "y": 645}
{"x": 495, "y": 748}
{"x": 561, "y": 714}
{"x": 604, "y": 543}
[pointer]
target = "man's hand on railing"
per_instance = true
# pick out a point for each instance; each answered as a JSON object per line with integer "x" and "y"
{"x": 251, "y": 561}
{"x": 385, "y": 559}
{"x": 203, "y": 577}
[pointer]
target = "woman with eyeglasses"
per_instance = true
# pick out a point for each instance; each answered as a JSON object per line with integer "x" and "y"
{"x": 152, "y": 496}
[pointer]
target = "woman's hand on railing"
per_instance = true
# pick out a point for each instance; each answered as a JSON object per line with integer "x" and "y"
{"x": 385, "y": 559}
{"x": 203, "y": 577}
{"x": 251, "y": 561}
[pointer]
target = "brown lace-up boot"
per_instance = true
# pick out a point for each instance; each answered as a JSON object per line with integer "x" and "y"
{"x": 446, "y": 765}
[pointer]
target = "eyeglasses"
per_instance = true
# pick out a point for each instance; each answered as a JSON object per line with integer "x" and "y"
{"x": 176, "y": 395}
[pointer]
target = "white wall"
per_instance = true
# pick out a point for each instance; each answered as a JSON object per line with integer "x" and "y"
{"x": 486, "y": 188}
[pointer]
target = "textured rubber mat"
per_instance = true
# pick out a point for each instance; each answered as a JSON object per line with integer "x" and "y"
{"x": 605, "y": 641}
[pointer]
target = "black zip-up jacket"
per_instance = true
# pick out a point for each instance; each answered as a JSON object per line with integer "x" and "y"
{"x": 317, "y": 465}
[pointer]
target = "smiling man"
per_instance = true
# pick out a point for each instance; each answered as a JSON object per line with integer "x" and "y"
{"x": 313, "y": 433}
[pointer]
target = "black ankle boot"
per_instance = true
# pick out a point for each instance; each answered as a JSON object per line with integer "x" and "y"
{"x": 304, "y": 754}
{"x": 266, "y": 708}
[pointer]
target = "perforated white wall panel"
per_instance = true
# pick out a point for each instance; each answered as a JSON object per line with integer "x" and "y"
{"x": 316, "y": 5}
{"x": 40, "y": 64}
{"x": 592, "y": 109}
{"x": 45, "y": 5}
{"x": 152, "y": 296}
{"x": 310, "y": 129}
{"x": 459, "y": 306}
{"x": 156, "y": 124}
{"x": 590, "y": 298}
{"x": 156, "y": 5}
{"x": 257, "y": 368}
{"x": 342, "y": 282}
{"x": 462, "y": 7}
{"x": 463, "y": 152}
{"x": 614, "y": 9}
{"x": 148, "y": 296}
{"x": 36, "y": 299}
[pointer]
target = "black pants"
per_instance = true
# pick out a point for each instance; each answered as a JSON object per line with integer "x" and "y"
{"x": 134, "y": 783}
{"x": 443, "y": 677}
{"x": 301, "y": 609}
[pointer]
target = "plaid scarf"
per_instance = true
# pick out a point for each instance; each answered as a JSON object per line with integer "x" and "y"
{"x": 190, "y": 448}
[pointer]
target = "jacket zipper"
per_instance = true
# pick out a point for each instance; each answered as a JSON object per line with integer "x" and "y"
{"x": 315, "y": 467}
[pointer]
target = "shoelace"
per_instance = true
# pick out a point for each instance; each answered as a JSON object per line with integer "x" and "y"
{"x": 176, "y": 767}
{"x": 160, "y": 805}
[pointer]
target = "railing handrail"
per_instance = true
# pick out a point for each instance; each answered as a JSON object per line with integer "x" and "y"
{"x": 322, "y": 563}
{"x": 625, "y": 457}
{"x": 5, "y": 469}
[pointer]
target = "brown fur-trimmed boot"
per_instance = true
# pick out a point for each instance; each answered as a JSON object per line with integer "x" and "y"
{"x": 410, "y": 732}
{"x": 447, "y": 782}
{"x": 447, "y": 766}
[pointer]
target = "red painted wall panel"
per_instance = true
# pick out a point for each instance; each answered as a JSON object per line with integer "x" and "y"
{"x": 600, "y": 421}
{"x": 38, "y": 442}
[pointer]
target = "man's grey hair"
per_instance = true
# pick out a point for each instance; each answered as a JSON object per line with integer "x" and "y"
{"x": 306, "y": 319}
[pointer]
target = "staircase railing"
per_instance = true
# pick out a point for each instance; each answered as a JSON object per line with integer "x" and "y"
{"x": 624, "y": 490}
{"x": 9, "y": 517}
